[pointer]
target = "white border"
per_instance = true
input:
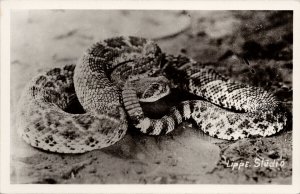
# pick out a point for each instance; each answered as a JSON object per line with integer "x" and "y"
{"x": 7, "y": 6}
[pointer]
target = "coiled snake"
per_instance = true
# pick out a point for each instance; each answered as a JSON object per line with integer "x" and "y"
{"x": 112, "y": 77}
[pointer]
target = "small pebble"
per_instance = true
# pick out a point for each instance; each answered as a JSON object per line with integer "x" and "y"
{"x": 93, "y": 170}
{"x": 141, "y": 156}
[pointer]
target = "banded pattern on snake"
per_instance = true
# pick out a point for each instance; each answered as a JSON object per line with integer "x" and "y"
{"x": 112, "y": 77}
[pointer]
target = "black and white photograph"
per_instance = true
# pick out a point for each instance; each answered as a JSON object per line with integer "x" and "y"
{"x": 160, "y": 96}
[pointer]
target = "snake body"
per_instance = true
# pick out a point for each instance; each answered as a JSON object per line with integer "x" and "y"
{"x": 100, "y": 80}
{"x": 254, "y": 112}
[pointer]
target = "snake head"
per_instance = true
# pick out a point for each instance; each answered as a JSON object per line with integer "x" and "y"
{"x": 155, "y": 91}
{"x": 151, "y": 89}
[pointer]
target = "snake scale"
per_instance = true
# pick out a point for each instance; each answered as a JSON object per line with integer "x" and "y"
{"x": 110, "y": 80}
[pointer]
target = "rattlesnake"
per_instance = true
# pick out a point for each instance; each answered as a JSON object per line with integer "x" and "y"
{"x": 108, "y": 80}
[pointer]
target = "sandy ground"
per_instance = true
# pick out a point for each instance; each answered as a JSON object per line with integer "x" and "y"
{"x": 252, "y": 47}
